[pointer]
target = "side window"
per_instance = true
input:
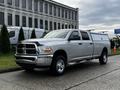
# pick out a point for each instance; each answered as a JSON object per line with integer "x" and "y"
{"x": 85, "y": 35}
{"x": 11, "y": 34}
{"x": 74, "y": 36}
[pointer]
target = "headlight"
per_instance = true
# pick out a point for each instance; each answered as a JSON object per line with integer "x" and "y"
{"x": 47, "y": 50}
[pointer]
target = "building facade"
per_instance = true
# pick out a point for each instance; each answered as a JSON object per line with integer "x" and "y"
{"x": 44, "y": 14}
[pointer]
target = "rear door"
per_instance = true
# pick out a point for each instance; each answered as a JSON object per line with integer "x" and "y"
{"x": 87, "y": 44}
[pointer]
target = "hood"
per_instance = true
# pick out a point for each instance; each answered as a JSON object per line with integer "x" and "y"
{"x": 44, "y": 41}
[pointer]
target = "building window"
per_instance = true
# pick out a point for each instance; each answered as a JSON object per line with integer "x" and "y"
{"x": 55, "y": 26}
{"x": 17, "y": 3}
{"x": 41, "y": 6}
{"x": 69, "y": 14}
{"x": 63, "y": 13}
{"x": 1, "y": 1}
{"x": 58, "y": 12}
{"x": 9, "y": 2}
{"x": 62, "y": 26}
{"x": 72, "y": 15}
{"x": 23, "y": 3}
{"x": 35, "y": 5}
{"x": 50, "y": 9}
{"x": 46, "y": 8}
{"x": 30, "y": 21}
{"x": 1, "y": 18}
{"x": 46, "y": 25}
{"x": 69, "y": 26}
{"x": 58, "y": 25}
{"x": 30, "y": 4}
{"x": 55, "y": 10}
{"x": 66, "y": 26}
{"x": 17, "y": 20}
{"x": 51, "y": 28}
{"x": 76, "y": 15}
{"x": 41, "y": 24}
{"x": 75, "y": 27}
{"x": 24, "y": 21}
{"x": 72, "y": 26}
{"x": 36, "y": 23}
{"x": 9, "y": 19}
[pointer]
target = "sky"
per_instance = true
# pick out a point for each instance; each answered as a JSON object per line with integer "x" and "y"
{"x": 101, "y": 15}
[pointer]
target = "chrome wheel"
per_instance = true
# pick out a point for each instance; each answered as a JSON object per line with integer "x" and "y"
{"x": 60, "y": 66}
{"x": 105, "y": 58}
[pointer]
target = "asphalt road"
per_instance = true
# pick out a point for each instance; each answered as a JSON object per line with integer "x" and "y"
{"x": 85, "y": 76}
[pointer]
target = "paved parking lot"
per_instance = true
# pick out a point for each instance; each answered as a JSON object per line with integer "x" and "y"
{"x": 85, "y": 76}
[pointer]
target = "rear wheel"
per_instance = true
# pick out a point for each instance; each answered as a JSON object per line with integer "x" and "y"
{"x": 58, "y": 65}
{"x": 103, "y": 58}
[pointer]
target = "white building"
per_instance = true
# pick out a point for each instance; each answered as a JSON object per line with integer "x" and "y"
{"x": 44, "y": 14}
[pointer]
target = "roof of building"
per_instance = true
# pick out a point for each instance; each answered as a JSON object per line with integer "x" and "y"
{"x": 60, "y": 4}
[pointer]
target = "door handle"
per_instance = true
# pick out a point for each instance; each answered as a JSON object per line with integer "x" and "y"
{"x": 91, "y": 43}
{"x": 79, "y": 43}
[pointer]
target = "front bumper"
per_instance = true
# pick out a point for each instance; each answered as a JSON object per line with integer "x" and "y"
{"x": 36, "y": 61}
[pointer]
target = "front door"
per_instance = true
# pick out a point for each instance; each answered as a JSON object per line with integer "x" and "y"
{"x": 75, "y": 47}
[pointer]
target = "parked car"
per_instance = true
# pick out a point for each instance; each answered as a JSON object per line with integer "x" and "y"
{"x": 61, "y": 48}
{"x": 14, "y": 33}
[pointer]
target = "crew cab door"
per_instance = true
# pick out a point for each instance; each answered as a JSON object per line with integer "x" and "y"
{"x": 75, "y": 46}
{"x": 87, "y": 44}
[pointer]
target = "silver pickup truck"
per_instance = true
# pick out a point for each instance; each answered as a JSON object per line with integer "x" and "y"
{"x": 61, "y": 48}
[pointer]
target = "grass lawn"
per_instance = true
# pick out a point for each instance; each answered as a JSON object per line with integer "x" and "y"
{"x": 7, "y": 61}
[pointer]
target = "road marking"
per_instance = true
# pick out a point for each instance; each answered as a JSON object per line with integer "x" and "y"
{"x": 92, "y": 79}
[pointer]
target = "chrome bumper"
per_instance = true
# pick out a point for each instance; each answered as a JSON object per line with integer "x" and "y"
{"x": 41, "y": 60}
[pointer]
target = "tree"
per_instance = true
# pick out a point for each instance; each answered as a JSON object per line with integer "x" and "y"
{"x": 0, "y": 40}
{"x": 117, "y": 41}
{"x": 33, "y": 35}
{"x": 112, "y": 43}
{"x": 5, "y": 42}
{"x": 21, "y": 35}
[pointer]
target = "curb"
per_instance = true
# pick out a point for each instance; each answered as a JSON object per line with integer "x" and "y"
{"x": 10, "y": 70}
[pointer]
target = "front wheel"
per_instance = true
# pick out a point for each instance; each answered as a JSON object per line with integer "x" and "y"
{"x": 58, "y": 65}
{"x": 103, "y": 58}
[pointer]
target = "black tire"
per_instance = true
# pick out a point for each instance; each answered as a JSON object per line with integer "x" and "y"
{"x": 58, "y": 65}
{"x": 103, "y": 58}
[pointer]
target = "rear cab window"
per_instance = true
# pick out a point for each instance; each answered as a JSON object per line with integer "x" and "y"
{"x": 85, "y": 35}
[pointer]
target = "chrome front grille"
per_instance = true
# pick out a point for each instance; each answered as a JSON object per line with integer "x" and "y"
{"x": 26, "y": 49}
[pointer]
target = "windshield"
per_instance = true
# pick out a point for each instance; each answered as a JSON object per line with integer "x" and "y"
{"x": 12, "y": 34}
{"x": 57, "y": 34}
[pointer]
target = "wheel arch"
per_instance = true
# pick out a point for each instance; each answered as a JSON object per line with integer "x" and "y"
{"x": 105, "y": 50}
{"x": 60, "y": 52}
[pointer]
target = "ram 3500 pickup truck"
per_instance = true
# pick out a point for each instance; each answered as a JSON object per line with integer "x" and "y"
{"x": 61, "y": 48}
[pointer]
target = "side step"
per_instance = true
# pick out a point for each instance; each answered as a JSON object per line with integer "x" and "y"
{"x": 78, "y": 62}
